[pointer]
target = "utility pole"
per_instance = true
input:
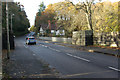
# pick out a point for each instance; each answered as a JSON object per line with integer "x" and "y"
{"x": 11, "y": 22}
{"x": 7, "y": 25}
{"x": 0, "y": 40}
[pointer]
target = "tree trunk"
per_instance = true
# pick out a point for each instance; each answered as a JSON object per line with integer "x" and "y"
{"x": 89, "y": 20}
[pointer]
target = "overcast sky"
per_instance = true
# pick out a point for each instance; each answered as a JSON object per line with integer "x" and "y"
{"x": 32, "y": 6}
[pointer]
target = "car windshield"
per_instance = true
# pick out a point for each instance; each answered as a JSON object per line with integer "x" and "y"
{"x": 32, "y": 38}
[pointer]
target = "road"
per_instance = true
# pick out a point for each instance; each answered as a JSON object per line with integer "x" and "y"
{"x": 72, "y": 63}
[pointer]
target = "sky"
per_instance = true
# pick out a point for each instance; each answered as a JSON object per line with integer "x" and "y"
{"x": 32, "y": 6}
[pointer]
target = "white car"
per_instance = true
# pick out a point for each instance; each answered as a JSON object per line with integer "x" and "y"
{"x": 30, "y": 40}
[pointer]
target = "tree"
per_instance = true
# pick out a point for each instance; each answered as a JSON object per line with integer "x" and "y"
{"x": 20, "y": 20}
{"x": 41, "y": 8}
{"x": 64, "y": 15}
{"x": 86, "y": 6}
{"x": 106, "y": 18}
{"x": 33, "y": 29}
{"x": 46, "y": 15}
{"x": 39, "y": 15}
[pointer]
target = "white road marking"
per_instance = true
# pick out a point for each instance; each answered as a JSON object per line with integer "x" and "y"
{"x": 69, "y": 54}
{"x": 33, "y": 54}
{"x": 46, "y": 46}
{"x": 53, "y": 49}
{"x": 78, "y": 57}
{"x": 114, "y": 69}
{"x": 82, "y": 58}
{"x": 58, "y": 51}
{"x": 25, "y": 46}
{"x": 42, "y": 45}
{"x": 50, "y": 48}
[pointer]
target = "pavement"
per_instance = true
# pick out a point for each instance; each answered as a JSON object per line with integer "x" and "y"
{"x": 97, "y": 49}
{"x": 23, "y": 64}
{"x": 0, "y": 65}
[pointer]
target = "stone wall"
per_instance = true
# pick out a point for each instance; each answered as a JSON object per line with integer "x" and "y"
{"x": 82, "y": 38}
{"x": 58, "y": 39}
{"x": 106, "y": 38}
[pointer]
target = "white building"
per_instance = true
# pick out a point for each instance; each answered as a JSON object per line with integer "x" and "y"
{"x": 60, "y": 32}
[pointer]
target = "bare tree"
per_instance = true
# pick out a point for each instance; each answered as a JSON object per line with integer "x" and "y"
{"x": 86, "y": 6}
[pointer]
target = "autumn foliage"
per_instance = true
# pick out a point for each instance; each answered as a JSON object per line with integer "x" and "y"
{"x": 104, "y": 16}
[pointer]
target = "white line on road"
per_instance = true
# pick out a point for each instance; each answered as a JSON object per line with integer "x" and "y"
{"x": 25, "y": 46}
{"x": 78, "y": 57}
{"x": 82, "y": 58}
{"x": 50, "y": 48}
{"x": 58, "y": 50}
{"x": 114, "y": 69}
{"x": 43, "y": 45}
{"x": 46, "y": 46}
{"x": 54, "y": 49}
{"x": 33, "y": 54}
{"x": 69, "y": 54}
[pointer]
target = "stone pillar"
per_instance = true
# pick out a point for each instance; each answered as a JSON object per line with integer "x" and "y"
{"x": 82, "y": 38}
{"x": 88, "y": 37}
{"x": 74, "y": 37}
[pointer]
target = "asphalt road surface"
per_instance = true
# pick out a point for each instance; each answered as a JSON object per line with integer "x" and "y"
{"x": 72, "y": 63}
